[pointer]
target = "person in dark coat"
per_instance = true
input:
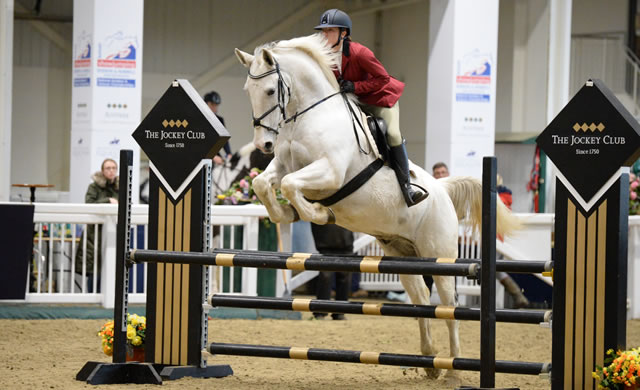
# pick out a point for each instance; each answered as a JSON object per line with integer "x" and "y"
{"x": 362, "y": 73}
{"x": 103, "y": 189}
{"x": 332, "y": 239}
{"x": 214, "y": 101}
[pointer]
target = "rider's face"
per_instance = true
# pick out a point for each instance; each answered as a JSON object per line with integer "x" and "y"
{"x": 332, "y": 34}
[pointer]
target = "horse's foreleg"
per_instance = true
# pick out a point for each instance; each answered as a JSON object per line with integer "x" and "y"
{"x": 416, "y": 288}
{"x": 447, "y": 291}
{"x": 318, "y": 176}
{"x": 264, "y": 185}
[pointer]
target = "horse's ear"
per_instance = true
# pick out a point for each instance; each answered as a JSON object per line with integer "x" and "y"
{"x": 245, "y": 58}
{"x": 268, "y": 57}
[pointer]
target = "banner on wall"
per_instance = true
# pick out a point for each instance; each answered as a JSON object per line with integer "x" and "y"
{"x": 474, "y": 84}
{"x": 106, "y": 86}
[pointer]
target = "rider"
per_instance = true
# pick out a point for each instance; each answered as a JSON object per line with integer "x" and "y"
{"x": 361, "y": 73}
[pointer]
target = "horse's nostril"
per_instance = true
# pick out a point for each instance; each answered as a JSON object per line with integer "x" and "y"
{"x": 268, "y": 145}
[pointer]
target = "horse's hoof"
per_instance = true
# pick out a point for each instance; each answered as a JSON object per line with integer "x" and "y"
{"x": 452, "y": 378}
{"x": 432, "y": 373}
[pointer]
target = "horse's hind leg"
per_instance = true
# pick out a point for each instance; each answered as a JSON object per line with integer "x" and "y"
{"x": 447, "y": 292}
{"x": 416, "y": 288}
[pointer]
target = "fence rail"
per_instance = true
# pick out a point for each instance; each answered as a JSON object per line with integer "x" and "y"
{"x": 59, "y": 228}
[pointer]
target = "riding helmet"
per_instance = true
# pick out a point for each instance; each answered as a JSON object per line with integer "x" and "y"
{"x": 212, "y": 97}
{"x": 334, "y": 18}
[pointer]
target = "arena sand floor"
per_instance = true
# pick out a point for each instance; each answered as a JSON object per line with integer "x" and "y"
{"x": 47, "y": 354}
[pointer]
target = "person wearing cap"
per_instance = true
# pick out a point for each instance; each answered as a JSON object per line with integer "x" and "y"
{"x": 213, "y": 100}
{"x": 361, "y": 73}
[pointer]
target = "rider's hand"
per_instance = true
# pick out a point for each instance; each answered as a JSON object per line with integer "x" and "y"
{"x": 347, "y": 86}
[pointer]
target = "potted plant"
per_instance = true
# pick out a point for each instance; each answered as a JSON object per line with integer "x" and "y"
{"x": 136, "y": 330}
{"x": 620, "y": 370}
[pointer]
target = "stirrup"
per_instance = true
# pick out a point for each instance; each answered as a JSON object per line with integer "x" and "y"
{"x": 413, "y": 197}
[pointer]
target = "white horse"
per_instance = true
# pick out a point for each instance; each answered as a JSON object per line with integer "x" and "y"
{"x": 316, "y": 153}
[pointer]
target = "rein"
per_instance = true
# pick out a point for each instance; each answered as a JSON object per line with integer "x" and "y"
{"x": 357, "y": 181}
{"x": 282, "y": 102}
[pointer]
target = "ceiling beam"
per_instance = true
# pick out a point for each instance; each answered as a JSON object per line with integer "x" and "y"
{"x": 49, "y": 33}
{"x": 201, "y": 80}
{"x": 281, "y": 25}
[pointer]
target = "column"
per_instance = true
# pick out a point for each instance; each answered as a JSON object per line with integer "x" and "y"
{"x": 558, "y": 80}
{"x": 463, "y": 40}
{"x": 6, "y": 75}
{"x": 107, "y": 87}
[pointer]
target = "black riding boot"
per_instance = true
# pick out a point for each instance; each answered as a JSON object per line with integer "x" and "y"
{"x": 400, "y": 165}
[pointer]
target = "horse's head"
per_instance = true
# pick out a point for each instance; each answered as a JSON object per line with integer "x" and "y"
{"x": 268, "y": 93}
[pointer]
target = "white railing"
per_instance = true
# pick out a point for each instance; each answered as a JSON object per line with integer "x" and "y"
{"x": 53, "y": 276}
{"x": 53, "y": 265}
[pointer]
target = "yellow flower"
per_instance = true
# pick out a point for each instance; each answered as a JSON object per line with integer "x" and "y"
{"x": 221, "y": 197}
{"x": 137, "y": 340}
{"x": 134, "y": 320}
{"x": 107, "y": 350}
{"x": 131, "y": 332}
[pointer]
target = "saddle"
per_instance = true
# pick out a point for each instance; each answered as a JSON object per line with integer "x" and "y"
{"x": 378, "y": 129}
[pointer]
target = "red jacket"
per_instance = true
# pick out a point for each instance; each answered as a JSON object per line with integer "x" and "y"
{"x": 373, "y": 84}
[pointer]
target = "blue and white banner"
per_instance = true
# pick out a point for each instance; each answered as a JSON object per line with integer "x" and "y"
{"x": 106, "y": 86}
{"x": 474, "y": 84}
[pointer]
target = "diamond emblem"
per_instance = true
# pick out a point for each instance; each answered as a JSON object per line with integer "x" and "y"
{"x": 588, "y": 160}
{"x": 175, "y": 151}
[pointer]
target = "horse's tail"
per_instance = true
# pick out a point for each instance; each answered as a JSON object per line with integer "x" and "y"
{"x": 466, "y": 194}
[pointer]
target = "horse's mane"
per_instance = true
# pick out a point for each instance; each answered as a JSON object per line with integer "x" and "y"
{"x": 316, "y": 47}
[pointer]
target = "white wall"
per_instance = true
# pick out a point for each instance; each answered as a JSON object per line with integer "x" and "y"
{"x": 405, "y": 53}
{"x": 597, "y": 16}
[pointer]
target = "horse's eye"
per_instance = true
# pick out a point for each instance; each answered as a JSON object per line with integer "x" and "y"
{"x": 271, "y": 91}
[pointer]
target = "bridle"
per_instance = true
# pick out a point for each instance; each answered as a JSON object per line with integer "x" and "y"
{"x": 281, "y": 100}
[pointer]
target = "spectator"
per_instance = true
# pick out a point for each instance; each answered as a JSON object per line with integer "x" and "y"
{"x": 103, "y": 189}
{"x": 213, "y": 100}
{"x": 332, "y": 239}
{"x": 440, "y": 170}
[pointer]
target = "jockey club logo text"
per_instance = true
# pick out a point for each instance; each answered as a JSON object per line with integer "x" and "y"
{"x": 161, "y": 135}
{"x": 588, "y": 140}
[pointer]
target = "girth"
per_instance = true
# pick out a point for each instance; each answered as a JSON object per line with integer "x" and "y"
{"x": 352, "y": 185}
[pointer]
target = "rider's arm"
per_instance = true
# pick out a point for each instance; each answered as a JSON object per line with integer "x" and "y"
{"x": 378, "y": 76}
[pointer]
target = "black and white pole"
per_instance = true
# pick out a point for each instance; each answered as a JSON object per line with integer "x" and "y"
{"x": 123, "y": 241}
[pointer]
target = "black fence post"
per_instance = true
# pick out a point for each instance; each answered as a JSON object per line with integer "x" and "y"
{"x": 123, "y": 239}
{"x": 488, "y": 275}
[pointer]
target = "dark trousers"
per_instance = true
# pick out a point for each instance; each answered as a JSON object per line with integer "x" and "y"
{"x": 324, "y": 284}
{"x": 429, "y": 281}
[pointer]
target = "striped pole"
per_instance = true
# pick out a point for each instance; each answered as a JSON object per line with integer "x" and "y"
{"x": 513, "y": 266}
{"x": 381, "y": 309}
{"x": 304, "y": 261}
{"x": 390, "y": 359}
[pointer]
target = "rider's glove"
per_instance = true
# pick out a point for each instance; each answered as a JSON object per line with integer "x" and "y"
{"x": 347, "y": 86}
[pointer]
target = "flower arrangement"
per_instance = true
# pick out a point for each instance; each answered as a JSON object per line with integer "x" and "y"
{"x": 634, "y": 194}
{"x": 241, "y": 191}
{"x": 136, "y": 331}
{"x": 620, "y": 370}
